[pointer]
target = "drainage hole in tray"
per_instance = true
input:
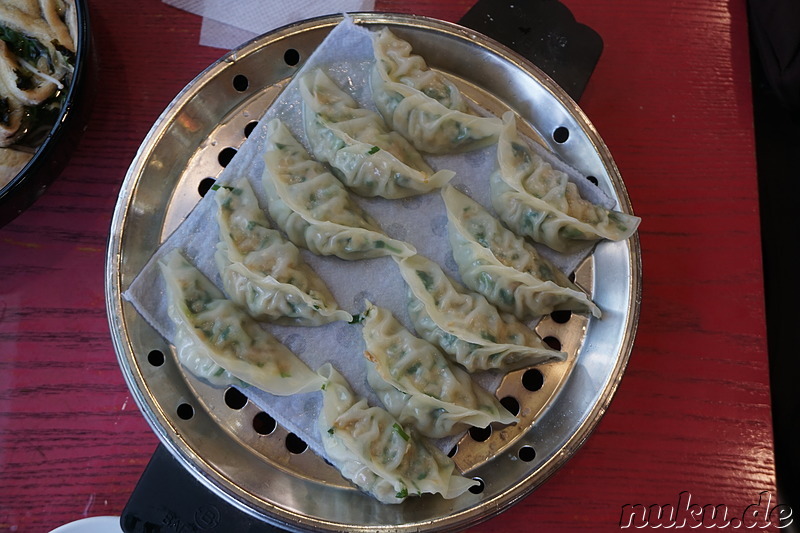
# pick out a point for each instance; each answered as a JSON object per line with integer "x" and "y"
{"x": 241, "y": 83}
{"x": 480, "y": 434}
{"x": 561, "y": 317}
{"x": 155, "y": 358}
{"x": 453, "y": 451}
{"x": 250, "y": 127}
{"x": 477, "y": 489}
{"x": 533, "y": 379}
{"x": 593, "y": 180}
{"x": 527, "y": 454}
{"x": 263, "y": 424}
{"x": 552, "y": 342}
{"x": 205, "y": 185}
{"x": 185, "y": 411}
{"x": 511, "y": 404}
{"x": 225, "y": 155}
{"x": 560, "y": 134}
{"x": 295, "y": 444}
{"x": 291, "y": 57}
{"x": 235, "y": 399}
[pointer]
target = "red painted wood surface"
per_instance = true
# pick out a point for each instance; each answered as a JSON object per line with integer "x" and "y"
{"x": 671, "y": 98}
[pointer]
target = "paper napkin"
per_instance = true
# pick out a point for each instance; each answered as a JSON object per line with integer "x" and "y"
{"x": 229, "y": 23}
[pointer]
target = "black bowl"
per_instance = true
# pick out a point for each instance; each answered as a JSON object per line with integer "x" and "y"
{"x": 52, "y": 155}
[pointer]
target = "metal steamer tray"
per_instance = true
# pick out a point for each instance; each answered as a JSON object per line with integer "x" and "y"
{"x": 235, "y": 449}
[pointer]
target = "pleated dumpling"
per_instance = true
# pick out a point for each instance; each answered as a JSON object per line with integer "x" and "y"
{"x": 419, "y": 385}
{"x": 314, "y": 208}
{"x": 465, "y": 325}
{"x": 369, "y": 158}
{"x": 422, "y": 104}
{"x": 213, "y": 335}
{"x": 373, "y": 450}
{"x": 500, "y": 265}
{"x": 535, "y": 200}
{"x": 263, "y": 272}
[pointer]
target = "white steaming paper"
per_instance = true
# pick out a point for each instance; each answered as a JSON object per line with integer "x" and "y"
{"x": 229, "y": 23}
{"x": 346, "y": 55}
{"x": 216, "y": 34}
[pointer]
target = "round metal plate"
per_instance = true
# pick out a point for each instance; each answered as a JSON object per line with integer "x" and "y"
{"x": 237, "y": 450}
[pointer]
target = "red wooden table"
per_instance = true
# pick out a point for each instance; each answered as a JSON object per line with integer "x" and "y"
{"x": 671, "y": 98}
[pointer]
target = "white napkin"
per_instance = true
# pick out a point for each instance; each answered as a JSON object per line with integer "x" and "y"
{"x": 229, "y": 23}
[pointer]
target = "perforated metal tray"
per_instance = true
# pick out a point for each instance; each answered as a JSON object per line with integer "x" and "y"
{"x": 238, "y": 451}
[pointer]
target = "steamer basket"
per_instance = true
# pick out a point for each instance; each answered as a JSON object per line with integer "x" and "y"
{"x": 232, "y": 447}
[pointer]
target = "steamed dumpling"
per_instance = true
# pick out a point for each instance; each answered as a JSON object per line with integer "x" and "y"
{"x": 261, "y": 271}
{"x": 465, "y": 325}
{"x": 314, "y": 208}
{"x": 422, "y": 104}
{"x": 509, "y": 272}
{"x": 419, "y": 385}
{"x": 373, "y": 450}
{"x": 211, "y": 329}
{"x": 364, "y": 154}
{"x": 535, "y": 200}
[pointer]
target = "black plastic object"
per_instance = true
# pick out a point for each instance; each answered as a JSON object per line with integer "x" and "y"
{"x": 546, "y": 33}
{"x": 167, "y": 497}
{"x": 775, "y": 39}
{"x": 53, "y": 154}
{"x": 776, "y": 114}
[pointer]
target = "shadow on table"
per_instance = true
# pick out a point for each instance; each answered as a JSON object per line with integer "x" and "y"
{"x": 775, "y": 57}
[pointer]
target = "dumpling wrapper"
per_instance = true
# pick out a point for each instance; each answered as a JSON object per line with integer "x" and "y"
{"x": 364, "y": 154}
{"x": 11, "y": 163}
{"x": 422, "y": 104}
{"x": 465, "y": 325}
{"x": 314, "y": 208}
{"x": 210, "y": 328}
{"x": 261, "y": 271}
{"x": 373, "y": 450}
{"x": 535, "y": 200}
{"x": 500, "y": 265}
{"x": 419, "y": 385}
